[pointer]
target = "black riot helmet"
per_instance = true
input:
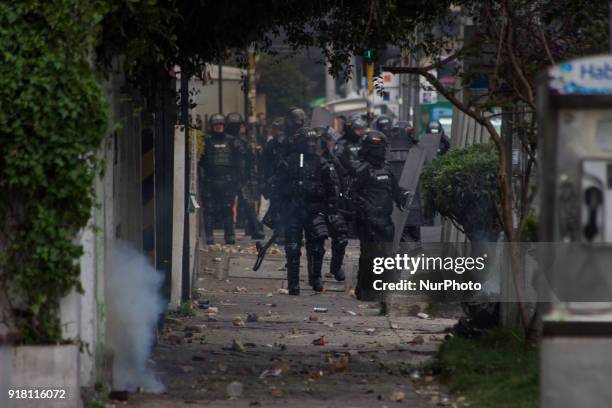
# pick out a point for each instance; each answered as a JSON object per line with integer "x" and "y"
{"x": 403, "y": 130}
{"x": 216, "y": 119}
{"x": 296, "y": 118}
{"x": 434, "y": 127}
{"x": 232, "y": 123}
{"x": 355, "y": 127}
{"x": 383, "y": 124}
{"x": 307, "y": 141}
{"x": 374, "y": 147}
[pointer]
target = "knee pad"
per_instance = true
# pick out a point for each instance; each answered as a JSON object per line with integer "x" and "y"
{"x": 318, "y": 230}
{"x": 292, "y": 250}
{"x": 339, "y": 243}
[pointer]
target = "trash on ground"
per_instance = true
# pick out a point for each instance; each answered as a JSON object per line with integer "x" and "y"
{"x": 234, "y": 389}
{"x": 283, "y": 291}
{"x": 320, "y": 310}
{"x": 423, "y": 315}
{"x": 313, "y": 318}
{"x": 237, "y": 321}
{"x": 319, "y": 342}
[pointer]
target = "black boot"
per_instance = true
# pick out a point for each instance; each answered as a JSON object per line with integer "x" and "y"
{"x": 293, "y": 280}
{"x": 317, "y": 253}
{"x": 337, "y": 258}
{"x": 292, "y": 251}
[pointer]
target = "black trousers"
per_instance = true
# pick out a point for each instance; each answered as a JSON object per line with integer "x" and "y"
{"x": 375, "y": 240}
{"x": 300, "y": 222}
{"x": 338, "y": 231}
{"x": 218, "y": 197}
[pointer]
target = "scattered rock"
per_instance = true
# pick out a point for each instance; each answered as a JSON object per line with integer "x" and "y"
{"x": 417, "y": 340}
{"x": 423, "y": 315}
{"x": 370, "y": 331}
{"x": 313, "y": 318}
{"x": 252, "y": 317}
{"x": 195, "y": 328}
{"x": 397, "y": 395}
{"x": 234, "y": 390}
{"x": 238, "y": 346}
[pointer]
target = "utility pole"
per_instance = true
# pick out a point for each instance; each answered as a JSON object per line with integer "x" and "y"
{"x": 220, "y": 88}
{"x": 252, "y": 88}
{"x": 185, "y": 281}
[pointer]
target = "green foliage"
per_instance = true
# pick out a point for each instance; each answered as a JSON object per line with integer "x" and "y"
{"x": 283, "y": 84}
{"x": 185, "y": 310}
{"x": 529, "y": 233}
{"x": 496, "y": 370}
{"x": 52, "y": 119}
{"x": 462, "y": 185}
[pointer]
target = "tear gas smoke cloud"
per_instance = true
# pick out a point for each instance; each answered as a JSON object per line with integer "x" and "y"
{"x": 134, "y": 305}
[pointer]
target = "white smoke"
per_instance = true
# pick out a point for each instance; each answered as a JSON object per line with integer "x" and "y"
{"x": 134, "y": 305}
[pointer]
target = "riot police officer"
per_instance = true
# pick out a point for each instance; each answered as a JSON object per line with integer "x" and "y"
{"x": 373, "y": 192}
{"x": 220, "y": 170}
{"x": 274, "y": 152}
{"x": 347, "y": 147}
{"x": 308, "y": 189}
{"x": 436, "y": 127}
{"x": 247, "y": 190}
{"x": 383, "y": 124}
{"x": 336, "y": 223}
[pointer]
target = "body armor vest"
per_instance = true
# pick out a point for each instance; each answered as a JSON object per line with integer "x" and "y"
{"x": 304, "y": 176}
{"x": 218, "y": 152}
{"x": 377, "y": 191}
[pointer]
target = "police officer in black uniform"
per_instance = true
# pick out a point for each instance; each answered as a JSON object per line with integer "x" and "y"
{"x": 308, "y": 189}
{"x": 373, "y": 193}
{"x": 220, "y": 166}
{"x": 383, "y": 124}
{"x": 436, "y": 127}
{"x": 336, "y": 223}
{"x": 247, "y": 190}
{"x": 274, "y": 153}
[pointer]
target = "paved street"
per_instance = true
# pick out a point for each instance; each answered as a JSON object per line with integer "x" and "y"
{"x": 250, "y": 332}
